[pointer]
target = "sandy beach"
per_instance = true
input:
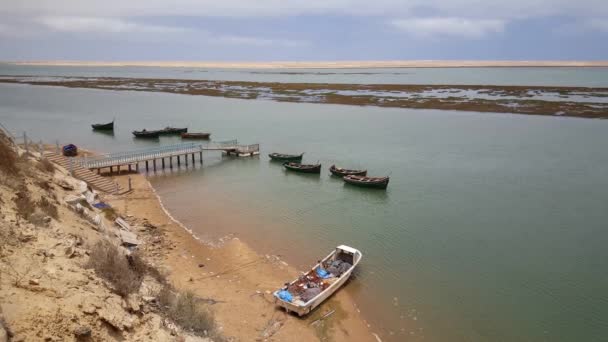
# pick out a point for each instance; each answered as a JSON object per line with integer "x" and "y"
{"x": 234, "y": 275}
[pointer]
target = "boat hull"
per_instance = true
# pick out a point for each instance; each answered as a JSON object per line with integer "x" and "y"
{"x": 103, "y": 127}
{"x": 344, "y": 172}
{"x": 296, "y": 167}
{"x": 146, "y": 134}
{"x": 172, "y": 131}
{"x": 195, "y": 135}
{"x": 308, "y": 307}
{"x": 381, "y": 183}
{"x": 285, "y": 157}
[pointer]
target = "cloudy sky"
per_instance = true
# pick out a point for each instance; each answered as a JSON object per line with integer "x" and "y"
{"x": 279, "y": 30}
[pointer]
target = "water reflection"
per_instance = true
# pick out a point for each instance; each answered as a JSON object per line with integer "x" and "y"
{"x": 105, "y": 133}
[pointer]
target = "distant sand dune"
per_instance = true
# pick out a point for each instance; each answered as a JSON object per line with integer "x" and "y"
{"x": 325, "y": 65}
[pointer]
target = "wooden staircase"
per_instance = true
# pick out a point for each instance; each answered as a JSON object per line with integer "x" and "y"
{"x": 94, "y": 180}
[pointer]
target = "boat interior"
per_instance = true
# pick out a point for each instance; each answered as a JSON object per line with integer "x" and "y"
{"x": 320, "y": 277}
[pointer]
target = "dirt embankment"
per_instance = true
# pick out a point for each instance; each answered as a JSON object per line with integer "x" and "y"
{"x": 65, "y": 273}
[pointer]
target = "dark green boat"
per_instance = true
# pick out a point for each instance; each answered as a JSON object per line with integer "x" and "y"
{"x": 286, "y": 157}
{"x": 172, "y": 131}
{"x": 103, "y": 127}
{"x": 304, "y": 168}
{"x": 367, "y": 182}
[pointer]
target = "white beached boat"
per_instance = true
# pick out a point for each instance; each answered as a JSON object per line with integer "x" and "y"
{"x": 311, "y": 289}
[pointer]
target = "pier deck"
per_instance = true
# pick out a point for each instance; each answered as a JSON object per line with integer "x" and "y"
{"x": 154, "y": 154}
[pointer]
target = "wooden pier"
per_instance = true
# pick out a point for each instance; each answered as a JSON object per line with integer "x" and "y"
{"x": 163, "y": 156}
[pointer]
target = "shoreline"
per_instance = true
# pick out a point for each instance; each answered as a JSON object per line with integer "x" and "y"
{"x": 319, "y": 64}
{"x": 236, "y": 276}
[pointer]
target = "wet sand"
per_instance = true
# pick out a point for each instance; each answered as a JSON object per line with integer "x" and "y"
{"x": 534, "y": 100}
{"x": 236, "y": 277}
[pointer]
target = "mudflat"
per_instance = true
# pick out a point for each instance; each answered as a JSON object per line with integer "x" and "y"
{"x": 583, "y": 102}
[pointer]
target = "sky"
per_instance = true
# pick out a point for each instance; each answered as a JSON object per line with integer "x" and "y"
{"x": 303, "y": 30}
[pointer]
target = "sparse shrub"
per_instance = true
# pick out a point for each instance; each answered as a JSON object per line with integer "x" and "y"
{"x": 37, "y": 219}
{"x": 46, "y": 166}
{"x": 85, "y": 204}
{"x": 139, "y": 266}
{"x": 8, "y": 159}
{"x": 23, "y": 202}
{"x": 110, "y": 213}
{"x": 184, "y": 310}
{"x": 112, "y": 265}
{"x": 44, "y": 185}
{"x": 48, "y": 208}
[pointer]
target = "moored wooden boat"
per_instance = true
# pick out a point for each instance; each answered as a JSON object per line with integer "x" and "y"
{"x": 367, "y": 182}
{"x": 285, "y": 157}
{"x": 304, "y": 168}
{"x": 338, "y": 171}
{"x": 195, "y": 135}
{"x": 146, "y": 134}
{"x": 310, "y": 289}
{"x": 103, "y": 127}
{"x": 172, "y": 130}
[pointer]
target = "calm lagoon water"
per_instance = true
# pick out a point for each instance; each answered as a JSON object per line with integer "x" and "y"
{"x": 493, "y": 227}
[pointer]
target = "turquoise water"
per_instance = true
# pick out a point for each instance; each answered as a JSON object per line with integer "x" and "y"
{"x": 567, "y": 76}
{"x": 493, "y": 227}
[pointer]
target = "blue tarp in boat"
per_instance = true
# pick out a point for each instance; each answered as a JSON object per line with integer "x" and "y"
{"x": 101, "y": 205}
{"x": 285, "y": 295}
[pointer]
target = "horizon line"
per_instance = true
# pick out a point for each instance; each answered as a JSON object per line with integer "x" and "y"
{"x": 322, "y": 64}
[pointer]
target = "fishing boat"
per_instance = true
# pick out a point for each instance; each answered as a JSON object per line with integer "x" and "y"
{"x": 70, "y": 150}
{"x": 195, "y": 135}
{"x": 146, "y": 134}
{"x": 340, "y": 172}
{"x": 367, "y": 182}
{"x": 103, "y": 127}
{"x": 285, "y": 157}
{"x": 172, "y": 130}
{"x": 310, "y": 289}
{"x": 304, "y": 168}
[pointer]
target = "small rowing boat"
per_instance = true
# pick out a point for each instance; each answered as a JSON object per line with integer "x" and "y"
{"x": 172, "y": 131}
{"x": 310, "y": 289}
{"x": 367, "y": 182}
{"x": 340, "y": 172}
{"x": 103, "y": 127}
{"x": 195, "y": 135}
{"x": 304, "y": 168}
{"x": 146, "y": 134}
{"x": 285, "y": 157}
